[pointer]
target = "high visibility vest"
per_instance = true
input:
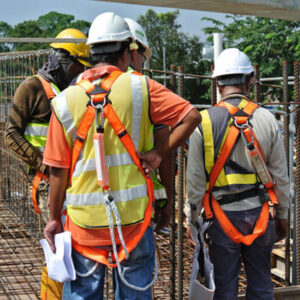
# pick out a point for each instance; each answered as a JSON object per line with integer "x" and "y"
{"x": 211, "y": 206}
{"x": 36, "y": 133}
{"x": 85, "y": 205}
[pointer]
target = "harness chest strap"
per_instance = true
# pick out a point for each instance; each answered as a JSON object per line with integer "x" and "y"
{"x": 232, "y": 232}
{"x": 94, "y": 253}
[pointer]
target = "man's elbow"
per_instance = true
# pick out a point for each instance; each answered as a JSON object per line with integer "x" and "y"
{"x": 194, "y": 118}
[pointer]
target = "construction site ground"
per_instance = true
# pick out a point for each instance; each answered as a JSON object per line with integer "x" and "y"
{"x": 21, "y": 262}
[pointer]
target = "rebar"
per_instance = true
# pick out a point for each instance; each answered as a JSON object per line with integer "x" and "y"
{"x": 180, "y": 196}
{"x": 297, "y": 199}
{"x": 173, "y": 212}
{"x": 286, "y": 123}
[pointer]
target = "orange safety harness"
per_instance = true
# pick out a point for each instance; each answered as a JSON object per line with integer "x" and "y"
{"x": 39, "y": 176}
{"x": 99, "y": 94}
{"x": 210, "y": 204}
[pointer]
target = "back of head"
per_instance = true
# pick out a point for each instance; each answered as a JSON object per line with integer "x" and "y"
{"x": 78, "y": 51}
{"x": 232, "y": 67}
{"x": 139, "y": 36}
{"x": 109, "y": 36}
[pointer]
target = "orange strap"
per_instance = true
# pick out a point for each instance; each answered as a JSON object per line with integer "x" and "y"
{"x": 232, "y": 232}
{"x": 35, "y": 184}
{"x": 94, "y": 253}
{"x": 47, "y": 88}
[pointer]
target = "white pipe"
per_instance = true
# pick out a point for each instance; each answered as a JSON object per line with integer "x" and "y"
{"x": 218, "y": 48}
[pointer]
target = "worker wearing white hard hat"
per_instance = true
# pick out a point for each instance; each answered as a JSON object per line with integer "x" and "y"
{"x": 235, "y": 177}
{"x": 101, "y": 153}
{"x": 141, "y": 51}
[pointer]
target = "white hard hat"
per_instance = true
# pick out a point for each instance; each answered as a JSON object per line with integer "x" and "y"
{"x": 108, "y": 27}
{"x": 139, "y": 35}
{"x": 232, "y": 61}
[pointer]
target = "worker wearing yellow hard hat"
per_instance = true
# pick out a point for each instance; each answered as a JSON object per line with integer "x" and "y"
{"x": 29, "y": 116}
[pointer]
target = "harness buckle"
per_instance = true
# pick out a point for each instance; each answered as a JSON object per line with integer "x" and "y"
{"x": 242, "y": 127}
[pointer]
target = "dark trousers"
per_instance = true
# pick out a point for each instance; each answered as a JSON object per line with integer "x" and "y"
{"x": 227, "y": 255}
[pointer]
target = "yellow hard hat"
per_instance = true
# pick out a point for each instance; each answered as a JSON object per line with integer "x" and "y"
{"x": 80, "y": 51}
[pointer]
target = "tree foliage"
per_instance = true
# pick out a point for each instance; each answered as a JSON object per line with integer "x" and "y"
{"x": 181, "y": 49}
{"x": 48, "y": 25}
{"x": 267, "y": 42}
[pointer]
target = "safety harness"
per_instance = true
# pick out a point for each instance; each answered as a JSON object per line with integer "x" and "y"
{"x": 239, "y": 126}
{"x": 39, "y": 176}
{"x": 99, "y": 101}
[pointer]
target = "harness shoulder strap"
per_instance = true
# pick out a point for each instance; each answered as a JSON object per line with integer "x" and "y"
{"x": 47, "y": 87}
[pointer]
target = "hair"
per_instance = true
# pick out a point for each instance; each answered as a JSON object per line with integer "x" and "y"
{"x": 98, "y": 56}
{"x": 234, "y": 79}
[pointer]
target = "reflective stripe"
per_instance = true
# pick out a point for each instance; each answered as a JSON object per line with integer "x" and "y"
{"x": 36, "y": 130}
{"x": 54, "y": 88}
{"x": 111, "y": 161}
{"x": 137, "y": 108}
{"x": 160, "y": 194}
{"x": 64, "y": 113}
{"x": 98, "y": 198}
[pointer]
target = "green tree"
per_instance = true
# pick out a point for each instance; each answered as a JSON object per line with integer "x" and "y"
{"x": 4, "y": 32}
{"x": 27, "y": 29}
{"x": 53, "y": 22}
{"x": 266, "y": 41}
{"x": 181, "y": 49}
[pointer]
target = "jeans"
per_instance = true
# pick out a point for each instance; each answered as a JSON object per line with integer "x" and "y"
{"x": 227, "y": 255}
{"x": 138, "y": 271}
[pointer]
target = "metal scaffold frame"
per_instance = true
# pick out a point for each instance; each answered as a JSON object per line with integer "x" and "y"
{"x": 174, "y": 253}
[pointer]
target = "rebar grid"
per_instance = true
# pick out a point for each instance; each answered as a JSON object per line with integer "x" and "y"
{"x": 14, "y": 69}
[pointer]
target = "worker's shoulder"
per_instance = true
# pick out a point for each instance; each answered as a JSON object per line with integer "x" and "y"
{"x": 264, "y": 113}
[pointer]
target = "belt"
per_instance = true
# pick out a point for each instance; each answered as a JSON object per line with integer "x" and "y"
{"x": 226, "y": 199}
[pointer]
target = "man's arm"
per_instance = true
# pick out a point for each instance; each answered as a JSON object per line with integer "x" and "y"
{"x": 152, "y": 159}
{"x": 58, "y": 185}
{"x": 166, "y": 174}
{"x": 20, "y": 115}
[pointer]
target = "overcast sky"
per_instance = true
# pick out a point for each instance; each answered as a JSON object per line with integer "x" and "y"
{"x": 17, "y": 11}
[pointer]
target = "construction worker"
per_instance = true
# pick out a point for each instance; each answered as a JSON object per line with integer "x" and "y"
{"x": 97, "y": 128}
{"x": 139, "y": 54}
{"x": 236, "y": 167}
{"x": 30, "y": 112}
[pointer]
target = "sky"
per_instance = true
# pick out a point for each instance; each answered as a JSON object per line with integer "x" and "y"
{"x": 17, "y": 11}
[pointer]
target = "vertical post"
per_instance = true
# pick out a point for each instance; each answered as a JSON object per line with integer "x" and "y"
{"x": 180, "y": 196}
{"x": 218, "y": 48}
{"x": 173, "y": 224}
{"x": 296, "y": 254}
{"x": 213, "y": 88}
{"x": 257, "y": 84}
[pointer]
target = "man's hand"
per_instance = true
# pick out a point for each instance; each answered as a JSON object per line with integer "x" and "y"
{"x": 150, "y": 161}
{"x": 162, "y": 217}
{"x": 53, "y": 227}
{"x": 189, "y": 237}
{"x": 282, "y": 228}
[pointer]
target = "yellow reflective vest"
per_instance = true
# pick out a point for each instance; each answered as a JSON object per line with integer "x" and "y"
{"x": 85, "y": 202}
{"x": 36, "y": 133}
